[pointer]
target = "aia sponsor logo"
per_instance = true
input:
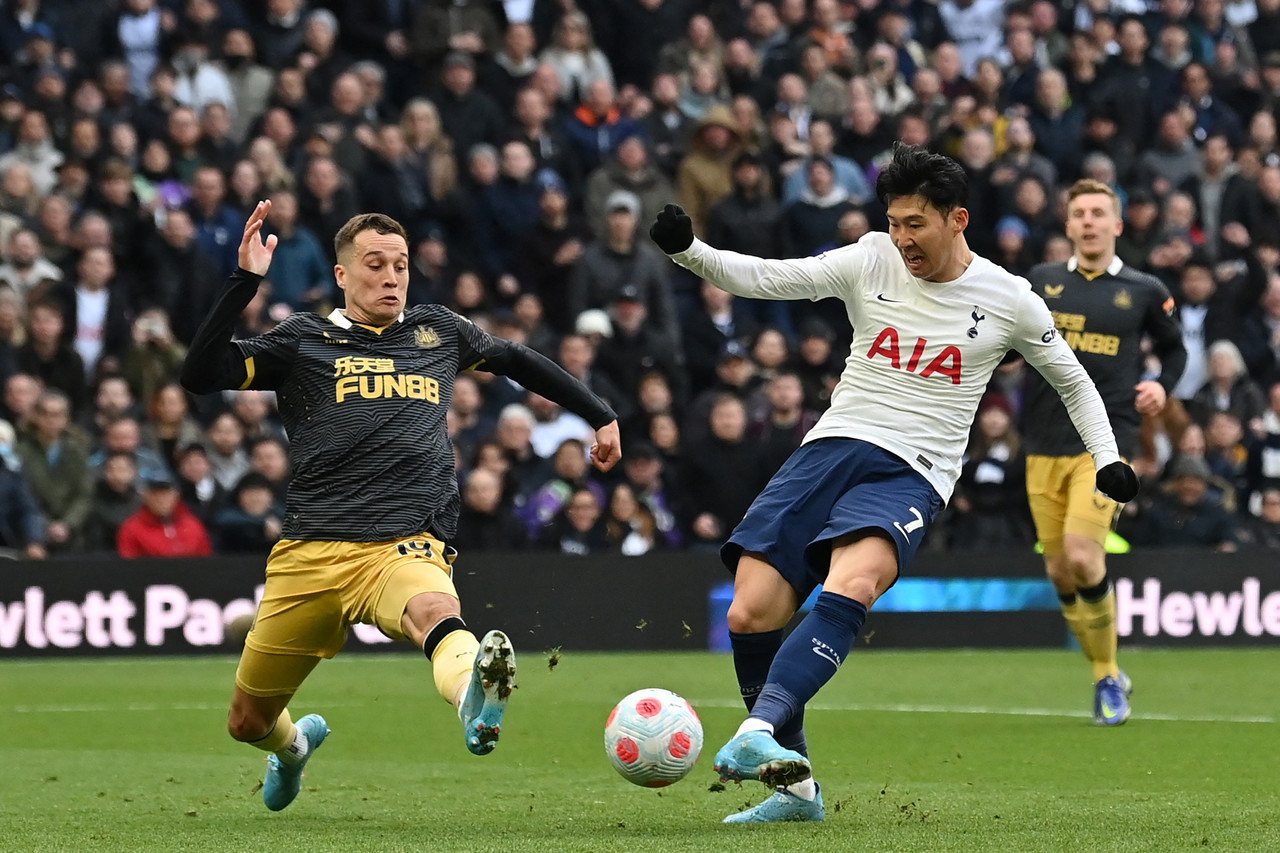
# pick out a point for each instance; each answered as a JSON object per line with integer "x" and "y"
{"x": 947, "y": 362}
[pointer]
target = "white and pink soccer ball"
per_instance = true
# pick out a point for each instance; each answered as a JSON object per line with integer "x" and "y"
{"x": 653, "y": 737}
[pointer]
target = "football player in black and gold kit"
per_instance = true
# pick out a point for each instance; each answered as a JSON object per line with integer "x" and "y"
{"x": 1103, "y": 309}
{"x": 373, "y": 502}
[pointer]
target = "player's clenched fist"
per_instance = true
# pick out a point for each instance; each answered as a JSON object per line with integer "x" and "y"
{"x": 672, "y": 230}
{"x": 1118, "y": 482}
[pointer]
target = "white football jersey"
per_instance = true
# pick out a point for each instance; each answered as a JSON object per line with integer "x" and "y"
{"x": 922, "y": 351}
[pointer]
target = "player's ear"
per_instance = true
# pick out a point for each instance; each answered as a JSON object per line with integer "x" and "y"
{"x": 340, "y": 274}
{"x": 960, "y": 219}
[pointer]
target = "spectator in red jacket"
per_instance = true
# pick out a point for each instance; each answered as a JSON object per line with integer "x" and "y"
{"x": 163, "y": 526}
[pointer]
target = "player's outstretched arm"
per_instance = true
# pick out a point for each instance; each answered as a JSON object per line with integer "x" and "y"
{"x": 213, "y": 363}
{"x": 828, "y": 274}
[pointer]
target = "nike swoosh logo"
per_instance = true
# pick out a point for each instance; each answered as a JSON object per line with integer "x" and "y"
{"x": 1108, "y": 712}
{"x": 882, "y": 299}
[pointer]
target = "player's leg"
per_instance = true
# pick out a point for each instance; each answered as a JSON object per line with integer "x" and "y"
{"x": 259, "y": 716}
{"x": 1089, "y": 519}
{"x": 1048, "y": 495}
{"x": 763, "y": 603}
{"x": 299, "y": 622}
{"x": 416, "y": 601}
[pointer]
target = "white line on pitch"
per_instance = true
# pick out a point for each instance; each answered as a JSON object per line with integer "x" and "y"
{"x": 982, "y": 710}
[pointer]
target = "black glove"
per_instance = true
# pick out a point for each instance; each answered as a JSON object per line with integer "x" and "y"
{"x": 1118, "y": 482}
{"x": 672, "y": 230}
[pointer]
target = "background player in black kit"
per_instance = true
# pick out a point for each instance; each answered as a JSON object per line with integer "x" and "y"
{"x": 373, "y": 503}
{"x": 1103, "y": 309}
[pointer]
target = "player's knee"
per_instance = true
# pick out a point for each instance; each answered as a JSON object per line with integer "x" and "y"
{"x": 1083, "y": 562}
{"x": 1059, "y": 573}
{"x": 753, "y": 617}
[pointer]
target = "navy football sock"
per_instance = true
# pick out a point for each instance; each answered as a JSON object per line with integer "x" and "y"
{"x": 753, "y": 654}
{"x": 809, "y": 657}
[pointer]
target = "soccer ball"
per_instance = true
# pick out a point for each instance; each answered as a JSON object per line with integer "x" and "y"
{"x": 653, "y": 737}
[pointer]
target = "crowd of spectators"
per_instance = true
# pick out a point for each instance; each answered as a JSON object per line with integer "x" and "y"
{"x": 526, "y": 145}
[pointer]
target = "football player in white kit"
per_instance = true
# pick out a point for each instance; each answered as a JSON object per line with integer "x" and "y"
{"x": 848, "y": 510}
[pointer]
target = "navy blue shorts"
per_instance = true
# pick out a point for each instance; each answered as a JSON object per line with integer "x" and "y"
{"x": 828, "y": 488}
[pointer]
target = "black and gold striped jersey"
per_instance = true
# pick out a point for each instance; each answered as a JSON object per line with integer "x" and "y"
{"x": 365, "y": 409}
{"x": 1104, "y": 318}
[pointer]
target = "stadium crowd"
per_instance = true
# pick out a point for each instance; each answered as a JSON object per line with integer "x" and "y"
{"x": 526, "y": 145}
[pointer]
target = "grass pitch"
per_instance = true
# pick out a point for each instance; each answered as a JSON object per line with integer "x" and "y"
{"x": 934, "y": 751}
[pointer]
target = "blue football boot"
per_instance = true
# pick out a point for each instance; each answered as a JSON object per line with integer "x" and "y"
{"x": 1110, "y": 701}
{"x": 756, "y": 755}
{"x": 284, "y": 781}
{"x": 492, "y": 679}
{"x": 783, "y": 807}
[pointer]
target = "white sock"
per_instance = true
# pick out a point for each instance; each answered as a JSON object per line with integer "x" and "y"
{"x": 754, "y": 724}
{"x": 296, "y": 751}
{"x": 806, "y": 789}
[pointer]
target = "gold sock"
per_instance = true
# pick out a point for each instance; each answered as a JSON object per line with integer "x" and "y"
{"x": 452, "y": 663}
{"x": 1074, "y": 614}
{"x": 1100, "y": 626}
{"x": 279, "y": 737}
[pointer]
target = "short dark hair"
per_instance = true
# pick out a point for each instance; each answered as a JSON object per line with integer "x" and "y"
{"x": 379, "y": 222}
{"x": 916, "y": 171}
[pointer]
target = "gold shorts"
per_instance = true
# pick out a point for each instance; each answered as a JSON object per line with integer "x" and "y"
{"x": 316, "y": 590}
{"x": 1064, "y": 499}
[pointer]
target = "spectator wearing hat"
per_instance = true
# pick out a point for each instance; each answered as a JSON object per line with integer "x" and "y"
{"x": 1014, "y": 250}
{"x": 431, "y": 269}
{"x": 115, "y": 497}
{"x": 720, "y": 318}
{"x": 163, "y": 526}
{"x": 647, "y": 473}
{"x": 1185, "y": 515}
{"x": 550, "y": 251}
{"x": 705, "y": 173}
{"x": 470, "y": 115}
{"x": 736, "y": 375}
{"x": 1142, "y": 230}
{"x": 628, "y": 169}
{"x": 637, "y": 345}
{"x": 618, "y": 259}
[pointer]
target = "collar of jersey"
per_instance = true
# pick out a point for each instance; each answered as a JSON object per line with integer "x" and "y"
{"x": 1113, "y": 268}
{"x": 337, "y": 318}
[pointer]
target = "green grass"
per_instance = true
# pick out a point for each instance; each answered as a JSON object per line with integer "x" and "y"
{"x": 132, "y": 755}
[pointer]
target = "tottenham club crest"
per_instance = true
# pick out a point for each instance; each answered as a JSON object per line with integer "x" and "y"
{"x": 426, "y": 338}
{"x": 977, "y": 318}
